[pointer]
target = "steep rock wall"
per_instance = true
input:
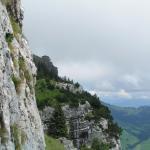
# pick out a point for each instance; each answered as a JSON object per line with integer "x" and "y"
{"x": 20, "y": 123}
{"x": 81, "y": 131}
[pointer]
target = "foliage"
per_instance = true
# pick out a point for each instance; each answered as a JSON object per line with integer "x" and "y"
{"x": 17, "y": 83}
{"x": 48, "y": 94}
{"x": 53, "y": 144}
{"x": 3, "y": 131}
{"x": 27, "y": 76}
{"x": 16, "y": 27}
{"x": 77, "y": 85}
{"x": 19, "y": 136}
{"x": 9, "y": 37}
{"x": 23, "y": 67}
{"x": 113, "y": 130}
{"x": 89, "y": 116}
{"x": 6, "y": 2}
{"x": 102, "y": 112}
{"x": 57, "y": 127}
{"x": 98, "y": 145}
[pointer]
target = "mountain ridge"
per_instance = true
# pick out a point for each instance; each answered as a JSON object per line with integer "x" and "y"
{"x": 135, "y": 123}
{"x": 86, "y": 118}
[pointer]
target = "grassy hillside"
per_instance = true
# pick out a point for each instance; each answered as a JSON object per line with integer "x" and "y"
{"x": 136, "y": 125}
{"x": 53, "y": 144}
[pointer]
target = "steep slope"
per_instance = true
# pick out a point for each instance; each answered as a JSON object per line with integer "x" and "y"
{"x": 20, "y": 123}
{"x": 71, "y": 114}
{"x": 136, "y": 125}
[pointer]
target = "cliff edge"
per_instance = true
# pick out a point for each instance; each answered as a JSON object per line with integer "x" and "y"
{"x": 20, "y": 123}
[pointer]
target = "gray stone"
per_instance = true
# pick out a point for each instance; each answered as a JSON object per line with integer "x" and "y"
{"x": 81, "y": 131}
{"x": 19, "y": 116}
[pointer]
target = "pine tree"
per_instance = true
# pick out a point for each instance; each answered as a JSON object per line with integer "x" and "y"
{"x": 57, "y": 127}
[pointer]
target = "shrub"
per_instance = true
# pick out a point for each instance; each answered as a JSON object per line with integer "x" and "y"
{"x": 53, "y": 144}
{"x": 3, "y": 130}
{"x": 16, "y": 27}
{"x": 57, "y": 127}
{"x": 6, "y": 2}
{"x": 89, "y": 116}
{"x": 77, "y": 85}
{"x": 17, "y": 83}
{"x": 99, "y": 145}
{"x": 19, "y": 136}
{"x": 22, "y": 65}
{"x": 114, "y": 130}
{"x": 16, "y": 136}
{"x": 27, "y": 76}
{"x": 9, "y": 37}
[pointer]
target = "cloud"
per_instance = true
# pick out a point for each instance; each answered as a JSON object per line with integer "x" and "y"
{"x": 83, "y": 71}
{"x": 102, "y": 44}
{"x": 133, "y": 80}
{"x": 124, "y": 94}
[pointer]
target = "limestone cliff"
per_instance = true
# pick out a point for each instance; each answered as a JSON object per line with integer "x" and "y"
{"x": 71, "y": 114}
{"x": 20, "y": 123}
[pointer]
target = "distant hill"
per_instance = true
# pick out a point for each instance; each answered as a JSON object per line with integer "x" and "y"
{"x": 136, "y": 125}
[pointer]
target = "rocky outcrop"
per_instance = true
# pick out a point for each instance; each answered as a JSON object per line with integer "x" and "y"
{"x": 81, "y": 130}
{"x": 71, "y": 87}
{"x": 20, "y": 123}
{"x": 45, "y": 67}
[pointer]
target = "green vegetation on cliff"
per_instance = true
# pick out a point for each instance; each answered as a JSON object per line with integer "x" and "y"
{"x": 52, "y": 90}
{"x": 53, "y": 144}
{"x": 58, "y": 125}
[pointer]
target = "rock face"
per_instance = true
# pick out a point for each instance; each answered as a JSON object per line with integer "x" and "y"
{"x": 71, "y": 87}
{"x": 20, "y": 123}
{"x": 45, "y": 66}
{"x": 81, "y": 130}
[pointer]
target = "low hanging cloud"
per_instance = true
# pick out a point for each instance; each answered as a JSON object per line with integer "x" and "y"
{"x": 124, "y": 94}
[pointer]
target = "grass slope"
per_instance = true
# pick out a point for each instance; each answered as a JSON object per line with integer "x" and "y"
{"x": 53, "y": 144}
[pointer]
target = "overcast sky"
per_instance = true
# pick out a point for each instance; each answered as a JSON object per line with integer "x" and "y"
{"x": 103, "y": 44}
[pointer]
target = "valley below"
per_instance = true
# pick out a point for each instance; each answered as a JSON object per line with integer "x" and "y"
{"x": 135, "y": 124}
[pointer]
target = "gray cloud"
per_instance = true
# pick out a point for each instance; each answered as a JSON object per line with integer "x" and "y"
{"x": 103, "y": 44}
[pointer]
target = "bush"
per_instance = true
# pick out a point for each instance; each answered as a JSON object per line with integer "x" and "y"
{"x": 16, "y": 136}
{"x": 6, "y": 2}
{"x": 16, "y": 27}
{"x": 22, "y": 65}
{"x": 3, "y": 131}
{"x": 9, "y": 37}
{"x": 17, "y": 83}
{"x": 53, "y": 144}
{"x": 57, "y": 127}
{"x": 98, "y": 145}
{"x": 89, "y": 116}
{"x": 114, "y": 130}
{"x": 77, "y": 85}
